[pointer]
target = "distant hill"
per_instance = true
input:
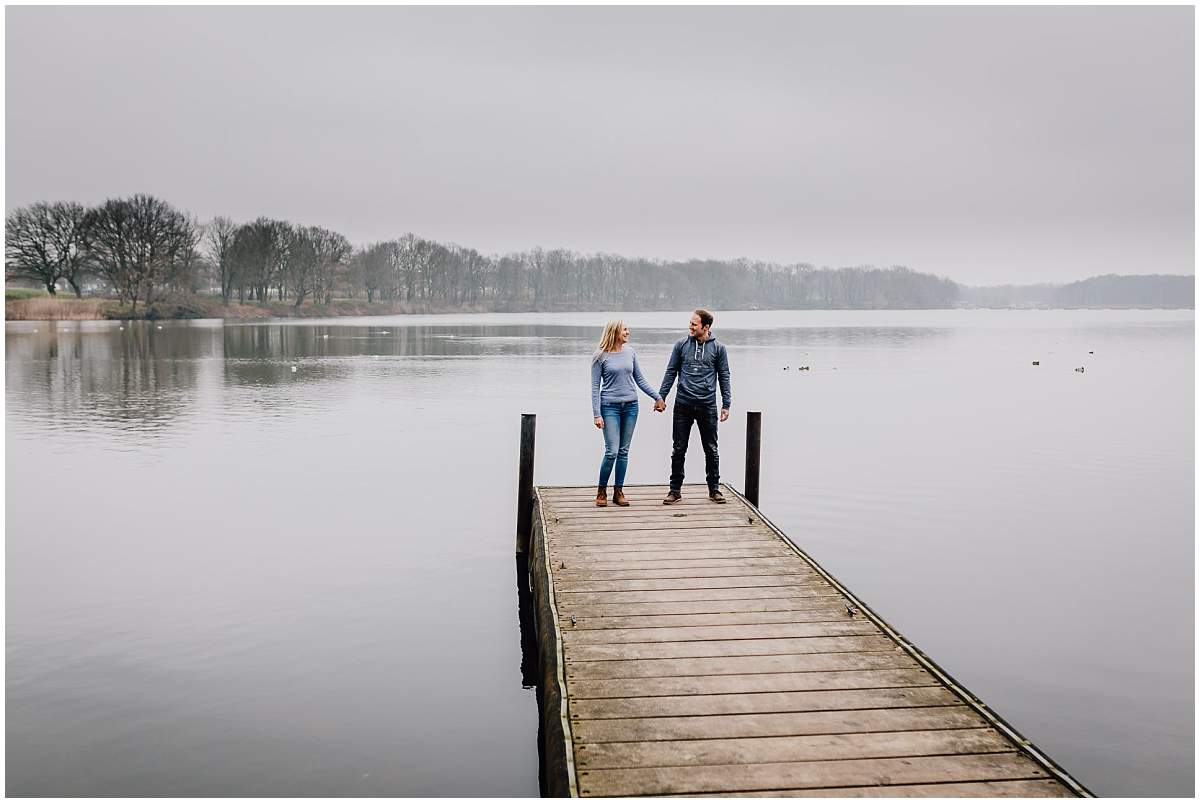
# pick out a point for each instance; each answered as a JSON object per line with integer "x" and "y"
{"x": 1099, "y": 292}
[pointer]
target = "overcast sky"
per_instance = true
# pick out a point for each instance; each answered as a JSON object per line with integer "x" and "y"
{"x": 989, "y": 145}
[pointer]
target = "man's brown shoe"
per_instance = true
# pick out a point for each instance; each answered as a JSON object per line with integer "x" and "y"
{"x": 601, "y": 497}
{"x": 672, "y": 498}
{"x": 619, "y": 497}
{"x": 716, "y": 497}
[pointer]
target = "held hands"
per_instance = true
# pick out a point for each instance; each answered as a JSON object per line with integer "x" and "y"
{"x": 725, "y": 414}
{"x": 659, "y": 406}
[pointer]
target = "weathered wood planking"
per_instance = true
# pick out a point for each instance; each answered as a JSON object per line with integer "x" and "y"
{"x": 702, "y": 653}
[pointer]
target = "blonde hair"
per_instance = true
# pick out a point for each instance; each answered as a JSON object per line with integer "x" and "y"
{"x": 610, "y": 340}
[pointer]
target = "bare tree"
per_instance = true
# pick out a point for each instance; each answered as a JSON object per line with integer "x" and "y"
{"x": 408, "y": 263}
{"x": 259, "y": 253}
{"x": 375, "y": 266}
{"x": 45, "y": 242}
{"x": 314, "y": 257}
{"x": 333, "y": 254}
{"x": 185, "y": 268}
{"x": 218, "y": 236}
{"x": 535, "y": 269}
{"x": 137, "y": 243}
{"x": 302, "y": 264}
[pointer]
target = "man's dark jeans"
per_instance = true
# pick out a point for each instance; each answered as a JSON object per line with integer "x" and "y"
{"x": 705, "y": 417}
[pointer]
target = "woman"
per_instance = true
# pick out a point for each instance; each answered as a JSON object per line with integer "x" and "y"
{"x": 614, "y": 405}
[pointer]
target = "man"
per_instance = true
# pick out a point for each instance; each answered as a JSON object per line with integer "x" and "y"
{"x": 700, "y": 362}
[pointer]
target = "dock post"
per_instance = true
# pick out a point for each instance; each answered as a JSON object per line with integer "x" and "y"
{"x": 525, "y": 483}
{"x": 753, "y": 452}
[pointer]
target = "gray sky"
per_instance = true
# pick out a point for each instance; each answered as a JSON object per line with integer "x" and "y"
{"x": 991, "y": 145}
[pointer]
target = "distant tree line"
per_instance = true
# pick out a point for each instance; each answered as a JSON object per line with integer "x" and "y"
{"x": 417, "y": 270}
{"x": 141, "y": 247}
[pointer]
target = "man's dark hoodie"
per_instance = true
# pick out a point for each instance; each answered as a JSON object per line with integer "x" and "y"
{"x": 700, "y": 365}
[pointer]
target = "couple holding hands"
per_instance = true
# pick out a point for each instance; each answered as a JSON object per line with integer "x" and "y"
{"x": 700, "y": 363}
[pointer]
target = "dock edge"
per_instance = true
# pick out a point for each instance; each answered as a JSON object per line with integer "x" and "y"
{"x": 558, "y": 746}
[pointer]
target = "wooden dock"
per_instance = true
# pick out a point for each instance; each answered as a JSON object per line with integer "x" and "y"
{"x": 693, "y": 649}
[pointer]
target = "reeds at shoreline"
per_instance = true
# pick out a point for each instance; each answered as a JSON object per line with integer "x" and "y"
{"x": 46, "y": 308}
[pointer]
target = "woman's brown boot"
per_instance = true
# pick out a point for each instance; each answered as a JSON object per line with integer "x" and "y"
{"x": 619, "y": 497}
{"x": 601, "y": 497}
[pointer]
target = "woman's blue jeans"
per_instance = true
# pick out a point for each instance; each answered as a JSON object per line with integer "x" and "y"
{"x": 619, "y": 420}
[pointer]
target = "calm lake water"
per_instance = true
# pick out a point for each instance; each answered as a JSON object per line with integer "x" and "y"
{"x": 226, "y": 577}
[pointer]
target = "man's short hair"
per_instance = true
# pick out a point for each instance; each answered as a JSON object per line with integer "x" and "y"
{"x": 706, "y": 317}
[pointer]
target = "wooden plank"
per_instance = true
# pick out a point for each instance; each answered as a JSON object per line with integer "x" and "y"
{"x": 706, "y": 705}
{"x": 582, "y": 557}
{"x": 943, "y": 790}
{"x": 682, "y": 543}
{"x": 585, "y": 557}
{"x": 678, "y": 537}
{"x": 678, "y": 548}
{"x": 676, "y": 558}
{"x": 684, "y": 530}
{"x": 654, "y": 513}
{"x": 676, "y": 583}
{"x": 656, "y": 491}
{"x": 811, "y": 602}
{"x": 647, "y": 486}
{"x": 643, "y": 525}
{"x": 669, "y": 529}
{"x": 738, "y": 726}
{"x": 783, "y": 566}
{"x": 610, "y": 526}
{"x": 712, "y": 649}
{"x": 688, "y": 594}
{"x": 697, "y": 497}
{"x": 647, "y": 508}
{"x": 673, "y": 564}
{"x": 689, "y": 502}
{"x": 691, "y": 506}
{"x": 641, "y": 505}
{"x": 828, "y": 613}
{"x": 891, "y": 658}
{"x": 586, "y": 491}
{"x": 749, "y": 684}
{"x": 808, "y": 774}
{"x": 649, "y": 635}
{"x": 746, "y": 534}
{"x": 771, "y": 749}
{"x": 657, "y": 513}
{"x": 637, "y": 500}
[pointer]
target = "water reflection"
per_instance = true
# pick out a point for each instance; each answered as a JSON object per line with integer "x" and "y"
{"x": 528, "y": 626}
{"x": 531, "y": 675}
{"x": 145, "y": 375}
{"x": 284, "y": 341}
{"x": 135, "y": 378}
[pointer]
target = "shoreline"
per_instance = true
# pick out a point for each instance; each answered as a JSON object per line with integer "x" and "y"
{"x": 47, "y": 309}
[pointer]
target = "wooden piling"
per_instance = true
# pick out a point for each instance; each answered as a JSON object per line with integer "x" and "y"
{"x": 525, "y": 482}
{"x": 753, "y": 452}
